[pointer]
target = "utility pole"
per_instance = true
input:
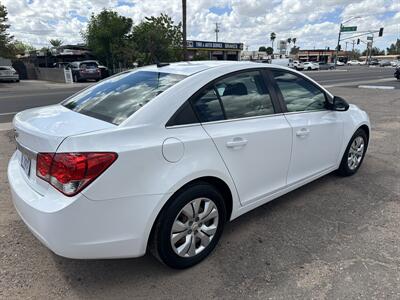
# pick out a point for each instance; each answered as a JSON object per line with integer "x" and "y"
{"x": 338, "y": 44}
{"x": 340, "y": 33}
{"x": 216, "y": 31}
{"x": 185, "y": 58}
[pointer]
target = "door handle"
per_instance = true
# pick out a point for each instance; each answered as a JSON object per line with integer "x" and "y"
{"x": 236, "y": 142}
{"x": 303, "y": 132}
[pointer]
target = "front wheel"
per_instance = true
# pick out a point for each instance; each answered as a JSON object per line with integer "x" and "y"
{"x": 189, "y": 227}
{"x": 354, "y": 154}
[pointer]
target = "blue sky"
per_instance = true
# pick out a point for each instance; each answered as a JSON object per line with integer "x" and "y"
{"x": 314, "y": 23}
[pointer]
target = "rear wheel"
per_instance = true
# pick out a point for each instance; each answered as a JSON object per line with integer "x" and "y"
{"x": 354, "y": 154}
{"x": 189, "y": 227}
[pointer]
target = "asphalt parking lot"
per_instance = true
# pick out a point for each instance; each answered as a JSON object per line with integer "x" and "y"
{"x": 335, "y": 238}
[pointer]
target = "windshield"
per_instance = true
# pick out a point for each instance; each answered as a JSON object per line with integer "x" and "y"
{"x": 116, "y": 99}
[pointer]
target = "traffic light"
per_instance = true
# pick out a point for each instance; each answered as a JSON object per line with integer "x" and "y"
{"x": 381, "y": 31}
{"x": 358, "y": 41}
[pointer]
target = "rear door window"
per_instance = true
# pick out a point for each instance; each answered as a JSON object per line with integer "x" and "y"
{"x": 116, "y": 99}
{"x": 245, "y": 95}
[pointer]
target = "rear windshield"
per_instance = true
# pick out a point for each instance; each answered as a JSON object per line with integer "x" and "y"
{"x": 116, "y": 99}
{"x": 88, "y": 66}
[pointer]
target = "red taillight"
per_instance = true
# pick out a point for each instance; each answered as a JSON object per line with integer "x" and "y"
{"x": 70, "y": 173}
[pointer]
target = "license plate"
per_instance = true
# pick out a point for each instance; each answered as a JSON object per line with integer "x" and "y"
{"x": 25, "y": 164}
{"x": 91, "y": 71}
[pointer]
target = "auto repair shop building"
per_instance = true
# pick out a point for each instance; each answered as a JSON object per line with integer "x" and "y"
{"x": 213, "y": 50}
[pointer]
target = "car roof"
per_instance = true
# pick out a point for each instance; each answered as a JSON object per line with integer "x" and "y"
{"x": 192, "y": 67}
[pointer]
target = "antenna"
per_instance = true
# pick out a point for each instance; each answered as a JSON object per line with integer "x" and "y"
{"x": 216, "y": 31}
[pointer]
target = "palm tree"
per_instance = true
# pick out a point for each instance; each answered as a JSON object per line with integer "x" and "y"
{"x": 272, "y": 38}
{"x": 289, "y": 41}
{"x": 55, "y": 43}
{"x": 294, "y": 40}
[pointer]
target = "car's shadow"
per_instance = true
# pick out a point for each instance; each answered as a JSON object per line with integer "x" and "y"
{"x": 300, "y": 228}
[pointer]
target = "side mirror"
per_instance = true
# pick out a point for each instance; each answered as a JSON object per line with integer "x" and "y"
{"x": 339, "y": 104}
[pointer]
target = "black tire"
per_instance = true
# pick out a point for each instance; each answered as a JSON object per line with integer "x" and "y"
{"x": 309, "y": 69}
{"x": 160, "y": 243}
{"x": 344, "y": 169}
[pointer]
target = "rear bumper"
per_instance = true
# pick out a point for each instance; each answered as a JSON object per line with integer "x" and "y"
{"x": 9, "y": 78}
{"x": 89, "y": 75}
{"x": 80, "y": 228}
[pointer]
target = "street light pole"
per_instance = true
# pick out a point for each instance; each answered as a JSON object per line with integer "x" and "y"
{"x": 338, "y": 44}
{"x": 340, "y": 33}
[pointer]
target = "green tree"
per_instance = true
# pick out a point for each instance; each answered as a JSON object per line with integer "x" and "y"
{"x": 294, "y": 50}
{"x": 108, "y": 36}
{"x": 294, "y": 40}
{"x": 55, "y": 43}
{"x": 270, "y": 51}
{"x": 262, "y": 49}
{"x": 272, "y": 38}
{"x": 158, "y": 39}
{"x": 5, "y": 37}
{"x": 21, "y": 47}
{"x": 394, "y": 48}
{"x": 375, "y": 51}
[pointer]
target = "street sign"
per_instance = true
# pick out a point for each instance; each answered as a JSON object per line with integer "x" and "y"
{"x": 370, "y": 38}
{"x": 348, "y": 29}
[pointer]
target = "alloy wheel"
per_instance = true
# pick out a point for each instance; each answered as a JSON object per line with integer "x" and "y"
{"x": 356, "y": 152}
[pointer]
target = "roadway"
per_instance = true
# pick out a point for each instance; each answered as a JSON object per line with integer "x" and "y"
{"x": 15, "y": 97}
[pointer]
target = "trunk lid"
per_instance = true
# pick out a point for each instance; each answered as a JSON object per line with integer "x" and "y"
{"x": 42, "y": 130}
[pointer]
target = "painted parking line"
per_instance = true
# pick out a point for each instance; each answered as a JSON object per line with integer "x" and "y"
{"x": 5, "y": 126}
{"x": 357, "y": 82}
{"x": 381, "y": 87}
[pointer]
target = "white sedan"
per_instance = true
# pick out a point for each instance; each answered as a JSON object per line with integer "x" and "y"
{"x": 308, "y": 65}
{"x": 8, "y": 73}
{"x": 161, "y": 157}
{"x": 354, "y": 63}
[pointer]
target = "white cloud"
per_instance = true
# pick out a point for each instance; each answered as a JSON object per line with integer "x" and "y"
{"x": 314, "y": 23}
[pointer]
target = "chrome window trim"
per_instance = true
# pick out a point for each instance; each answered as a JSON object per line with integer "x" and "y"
{"x": 305, "y": 111}
{"x": 183, "y": 126}
{"x": 226, "y": 121}
{"x": 243, "y": 119}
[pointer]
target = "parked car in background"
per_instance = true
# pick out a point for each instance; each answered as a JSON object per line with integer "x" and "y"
{"x": 161, "y": 157}
{"x": 285, "y": 62}
{"x": 397, "y": 73}
{"x": 103, "y": 69}
{"x": 373, "y": 62}
{"x": 8, "y": 73}
{"x": 384, "y": 63}
{"x": 340, "y": 63}
{"x": 298, "y": 65}
{"x": 85, "y": 70}
{"x": 308, "y": 65}
{"x": 326, "y": 66}
{"x": 354, "y": 62}
{"x": 395, "y": 63}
